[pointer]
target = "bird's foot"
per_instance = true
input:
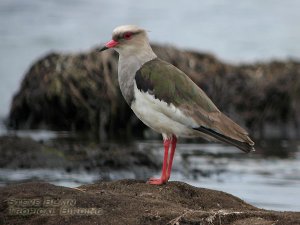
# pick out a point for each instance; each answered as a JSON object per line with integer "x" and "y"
{"x": 156, "y": 181}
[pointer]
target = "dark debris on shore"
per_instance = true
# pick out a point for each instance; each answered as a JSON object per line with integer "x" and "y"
{"x": 25, "y": 153}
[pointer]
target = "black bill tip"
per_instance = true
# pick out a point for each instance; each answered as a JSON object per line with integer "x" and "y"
{"x": 102, "y": 49}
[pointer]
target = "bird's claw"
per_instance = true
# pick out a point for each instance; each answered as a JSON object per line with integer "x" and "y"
{"x": 156, "y": 181}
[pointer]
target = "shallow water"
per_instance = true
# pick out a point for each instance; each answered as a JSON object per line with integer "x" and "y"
{"x": 267, "y": 182}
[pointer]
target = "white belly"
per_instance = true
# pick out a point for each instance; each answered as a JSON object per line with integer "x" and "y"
{"x": 161, "y": 117}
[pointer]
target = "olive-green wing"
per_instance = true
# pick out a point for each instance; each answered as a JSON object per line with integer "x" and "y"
{"x": 170, "y": 85}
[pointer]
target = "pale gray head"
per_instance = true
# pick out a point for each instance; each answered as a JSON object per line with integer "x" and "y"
{"x": 128, "y": 40}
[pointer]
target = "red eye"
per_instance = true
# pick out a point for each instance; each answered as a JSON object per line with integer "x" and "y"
{"x": 127, "y": 35}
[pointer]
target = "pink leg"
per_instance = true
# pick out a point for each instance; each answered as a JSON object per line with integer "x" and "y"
{"x": 163, "y": 178}
{"x": 170, "y": 163}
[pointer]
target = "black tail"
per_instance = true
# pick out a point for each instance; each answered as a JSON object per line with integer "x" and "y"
{"x": 244, "y": 146}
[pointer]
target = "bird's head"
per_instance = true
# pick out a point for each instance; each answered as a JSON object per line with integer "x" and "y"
{"x": 128, "y": 39}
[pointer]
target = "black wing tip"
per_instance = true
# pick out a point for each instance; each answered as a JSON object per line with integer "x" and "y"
{"x": 244, "y": 146}
{"x": 252, "y": 149}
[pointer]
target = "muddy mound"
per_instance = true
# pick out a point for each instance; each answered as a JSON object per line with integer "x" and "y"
{"x": 129, "y": 202}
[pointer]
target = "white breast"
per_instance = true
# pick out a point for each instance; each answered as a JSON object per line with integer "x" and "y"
{"x": 161, "y": 117}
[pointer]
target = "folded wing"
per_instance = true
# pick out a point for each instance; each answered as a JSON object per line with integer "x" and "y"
{"x": 169, "y": 84}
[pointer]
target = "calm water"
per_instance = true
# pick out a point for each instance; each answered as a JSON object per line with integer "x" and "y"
{"x": 235, "y": 31}
{"x": 264, "y": 181}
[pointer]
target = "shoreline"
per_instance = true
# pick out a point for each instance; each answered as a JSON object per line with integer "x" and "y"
{"x": 66, "y": 161}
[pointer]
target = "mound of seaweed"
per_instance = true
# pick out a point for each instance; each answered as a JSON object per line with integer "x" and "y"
{"x": 80, "y": 92}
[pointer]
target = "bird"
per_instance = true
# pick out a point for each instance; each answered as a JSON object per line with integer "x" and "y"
{"x": 167, "y": 100}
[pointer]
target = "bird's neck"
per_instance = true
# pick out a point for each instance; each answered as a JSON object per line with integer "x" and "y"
{"x": 136, "y": 57}
{"x": 129, "y": 63}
